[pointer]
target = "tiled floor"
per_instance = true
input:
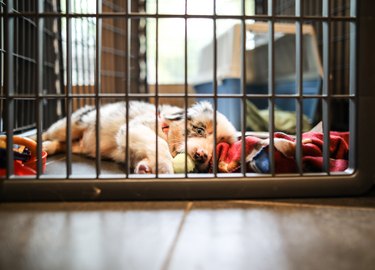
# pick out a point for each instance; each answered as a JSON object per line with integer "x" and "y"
{"x": 334, "y": 233}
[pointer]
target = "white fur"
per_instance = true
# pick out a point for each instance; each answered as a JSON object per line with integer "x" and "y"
{"x": 142, "y": 134}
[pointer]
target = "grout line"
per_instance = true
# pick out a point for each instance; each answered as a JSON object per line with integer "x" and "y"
{"x": 296, "y": 204}
{"x": 168, "y": 258}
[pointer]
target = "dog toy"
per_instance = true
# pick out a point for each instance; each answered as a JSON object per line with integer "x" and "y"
{"x": 24, "y": 155}
{"x": 179, "y": 163}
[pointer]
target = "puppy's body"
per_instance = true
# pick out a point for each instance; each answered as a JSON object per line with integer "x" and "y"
{"x": 142, "y": 134}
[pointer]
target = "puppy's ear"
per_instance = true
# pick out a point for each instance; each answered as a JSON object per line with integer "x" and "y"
{"x": 170, "y": 113}
{"x": 176, "y": 116}
{"x": 203, "y": 107}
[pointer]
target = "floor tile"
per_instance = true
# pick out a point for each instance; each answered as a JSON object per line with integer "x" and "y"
{"x": 87, "y": 236}
{"x": 252, "y": 236}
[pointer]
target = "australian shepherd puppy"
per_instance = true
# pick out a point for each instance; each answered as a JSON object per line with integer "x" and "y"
{"x": 143, "y": 134}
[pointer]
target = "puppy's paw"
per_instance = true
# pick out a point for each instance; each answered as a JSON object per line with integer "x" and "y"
{"x": 146, "y": 166}
{"x": 165, "y": 167}
{"x": 51, "y": 147}
{"x": 143, "y": 167}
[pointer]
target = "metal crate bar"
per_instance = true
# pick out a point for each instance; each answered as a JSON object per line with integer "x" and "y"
{"x": 177, "y": 95}
{"x": 98, "y": 100}
{"x": 186, "y": 89}
{"x": 353, "y": 111}
{"x": 39, "y": 90}
{"x": 271, "y": 83}
{"x": 134, "y": 15}
{"x": 326, "y": 85}
{"x": 299, "y": 84}
{"x": 157, "y": 87}
{"x": 127, "y": 88}
{"x": 68, "y": 97}
{"x": 9, "y": 88}
{"x": 243, "y": 89}
{"x": 215, "y": 86}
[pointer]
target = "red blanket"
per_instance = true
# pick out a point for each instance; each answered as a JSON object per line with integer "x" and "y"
{"x": 257, "y": 153}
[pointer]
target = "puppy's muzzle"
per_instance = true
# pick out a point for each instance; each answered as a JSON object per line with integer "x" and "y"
{"x": 200, "y": 156}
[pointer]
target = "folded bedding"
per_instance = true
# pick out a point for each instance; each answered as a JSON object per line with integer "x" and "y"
{"x": 258, "y": 160}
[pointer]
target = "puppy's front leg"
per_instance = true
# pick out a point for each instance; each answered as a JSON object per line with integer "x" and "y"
{"x": 142, "y": 149}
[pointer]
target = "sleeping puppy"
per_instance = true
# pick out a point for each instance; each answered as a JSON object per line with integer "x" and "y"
{"x": 142, "y": 132}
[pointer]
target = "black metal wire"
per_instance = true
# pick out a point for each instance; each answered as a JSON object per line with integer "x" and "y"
{"x": 186, "y": 103}
{"x": 9, "y": 88}
{"x": 157, "y": 89}
{"x": 180, "y": 95}
{"x": 353, "y": 111}
{"x": 127, "y": 90}
{"x": 98, "y": 86}
{"x": 68, "y": 97}
{"x": 215, "y": 93}
{"x": 134, "y": 15}
{"x": 271, "y": 84}
{"x": 326, "y": 86}
{"x": 299, "y": 84}
{"x": 39, "y": 90}
{"x": 243, "y": 89}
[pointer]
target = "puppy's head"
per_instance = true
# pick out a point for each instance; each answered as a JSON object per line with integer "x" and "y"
{"x": 200, "y": 134}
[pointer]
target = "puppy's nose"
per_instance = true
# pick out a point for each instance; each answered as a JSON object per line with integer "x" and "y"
{"x": 200, "y": 156}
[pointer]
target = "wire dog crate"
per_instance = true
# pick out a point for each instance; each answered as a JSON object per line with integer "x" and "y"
{"x": 57, "y": 56}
